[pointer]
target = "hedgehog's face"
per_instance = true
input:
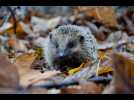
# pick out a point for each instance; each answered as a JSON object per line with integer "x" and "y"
{"x": 66, "y": 47}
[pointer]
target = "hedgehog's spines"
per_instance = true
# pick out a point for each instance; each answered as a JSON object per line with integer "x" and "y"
{"x": 66, "y": 33}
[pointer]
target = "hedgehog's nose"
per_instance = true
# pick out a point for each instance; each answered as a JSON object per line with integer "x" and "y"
{"x": 61, "y": 55}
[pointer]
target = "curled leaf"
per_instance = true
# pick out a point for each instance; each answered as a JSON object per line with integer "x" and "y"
{"x": 105, "y": 69}
{"x": 73, "y": 71}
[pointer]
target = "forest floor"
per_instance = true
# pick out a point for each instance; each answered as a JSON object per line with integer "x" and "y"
{"x": 23, "y": 66}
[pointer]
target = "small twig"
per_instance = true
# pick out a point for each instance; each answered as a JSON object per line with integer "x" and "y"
{"x": 13, "y": 15}
{"x": 58, "y": 85}
{"x": 5, "y": 19}
{"x": 101, "y": 79}
{"x": 98, "y": 65}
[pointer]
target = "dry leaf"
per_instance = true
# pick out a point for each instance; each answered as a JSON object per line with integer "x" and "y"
{"x": 38, "y": 91}
{"x": 9, "y": 77}
{"x": 21, "y": 45}
{"x": 42, "y": 25}
{"x": 105, "y": 46}
{"x": 100, "y": 36}
{"x": 110, "y": 45}
{"x": 117, "y": 36}
{"x": 8, "y": 91}
{"x": 11, "y": 42}
{"x": 84, "y": 88}
{"x": 24, "y": 62}
{"x": 104, "y": 14}
{"x": 19, "y": 30}
{"x": 104, "y": 69}
{"x": 123, "y": 79}
{"x": 29, "y": 76}
{"x": 32, "y": 90}
{"x": 73, "y": 71}
{"x": 5, "y": 27}
{"x": 35, "y": 77}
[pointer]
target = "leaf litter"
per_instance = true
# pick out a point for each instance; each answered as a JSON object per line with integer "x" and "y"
{"x": 24, "y": 68}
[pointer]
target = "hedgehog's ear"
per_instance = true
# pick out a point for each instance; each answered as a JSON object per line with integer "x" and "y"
{"x": 81, "y": 38}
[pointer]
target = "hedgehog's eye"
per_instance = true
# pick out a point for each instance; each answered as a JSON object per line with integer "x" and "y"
{"x": 56, "y": 45}
{"x": 50, "y": 36}
{"x": 81, "y": 38}
{"x": 71, "y": 44}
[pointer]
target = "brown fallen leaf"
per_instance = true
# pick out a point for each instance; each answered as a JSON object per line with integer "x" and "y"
{"x": 38, "y": 91}
{"x": 11, "y": 42}
{"x": 19, "y": 30}
{"x": 84, "y": 88}
{"x": 9, "y": 77}
{"x": 10, "y": 30}
{"x": 8, "y": 91}
{"x": 29, "y": 76}
{"x": 110, "y": 45}
{"x": 104, "y": 70}
{"x": 104, "y": 14}
{"x": 35, "y": 77}
{"x": 33, "y": 90}
{"x": 101, "y": 36}
{"x": 24, "y": 62}
{"x": 123, "y": 79}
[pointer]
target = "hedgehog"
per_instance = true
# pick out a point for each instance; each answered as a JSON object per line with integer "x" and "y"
{"x": 69, "y": 45}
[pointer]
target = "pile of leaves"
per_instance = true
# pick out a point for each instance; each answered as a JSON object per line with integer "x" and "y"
{"x": 24, "y": 68}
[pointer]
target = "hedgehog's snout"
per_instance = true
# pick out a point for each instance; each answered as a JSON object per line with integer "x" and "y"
{"x": 62, "y": 54}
